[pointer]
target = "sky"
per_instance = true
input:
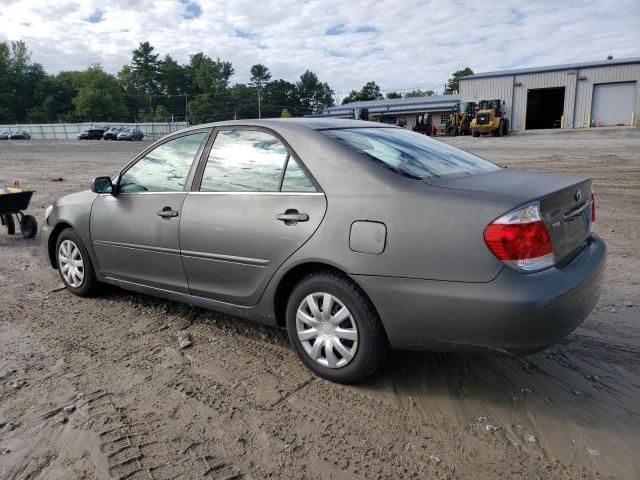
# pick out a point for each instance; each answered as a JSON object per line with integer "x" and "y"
{"x": 399, "y": 44}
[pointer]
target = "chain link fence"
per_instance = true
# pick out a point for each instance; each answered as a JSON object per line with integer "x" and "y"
{"x": 70, "y": 131}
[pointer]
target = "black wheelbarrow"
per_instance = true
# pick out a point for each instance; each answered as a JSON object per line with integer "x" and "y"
{"x": 12, "y": 205}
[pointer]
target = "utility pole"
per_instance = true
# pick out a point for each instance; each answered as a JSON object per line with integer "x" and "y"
{"x": 259, "y": 102}
{"x": 186, "y": 108}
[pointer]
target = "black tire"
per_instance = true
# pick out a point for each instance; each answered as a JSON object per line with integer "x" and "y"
{"x": 448, "y": 130}
{"x": 505, "y": 131}
{"x": 498, "y": 131}
{"x": 10, "y": 223}
{"x": 90, "y": 284}
{"x": 475, "y": 133}
{"x": 28, "y": 226}
{"x": 372, "y": 347}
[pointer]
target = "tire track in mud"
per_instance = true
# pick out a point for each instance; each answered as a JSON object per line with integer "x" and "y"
{"x": 604, "y": 350}
{"x": 134, "y": 451}
{"x": 259, "y": 370}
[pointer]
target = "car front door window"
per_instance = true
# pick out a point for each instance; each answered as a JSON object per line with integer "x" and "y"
{"x": 165, "y": 168}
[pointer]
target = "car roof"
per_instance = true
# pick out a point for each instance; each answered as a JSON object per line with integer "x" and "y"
{"x": 311, "y": 123}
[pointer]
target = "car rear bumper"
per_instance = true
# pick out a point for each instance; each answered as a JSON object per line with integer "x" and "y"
{"x": 515, "y": 313}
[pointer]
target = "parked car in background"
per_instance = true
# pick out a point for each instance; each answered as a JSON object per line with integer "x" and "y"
{"x": 112, "y": 133}
{"x": 91, "y": 134}
{"x": 131, "y": 134}
{"x": 355, "y": 236}
{"x": 4, "y": 135}
{"x": 19, "y": 135}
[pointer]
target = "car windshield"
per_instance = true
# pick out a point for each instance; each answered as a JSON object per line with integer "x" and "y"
{"x": 411, "y": 154}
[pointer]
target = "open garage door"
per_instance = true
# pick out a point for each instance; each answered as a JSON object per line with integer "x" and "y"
{"x": 613, "y": 103}
{"x": 545, "y": 107}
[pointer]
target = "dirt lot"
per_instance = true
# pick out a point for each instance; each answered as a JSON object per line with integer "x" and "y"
{"x": 99, "y": 388}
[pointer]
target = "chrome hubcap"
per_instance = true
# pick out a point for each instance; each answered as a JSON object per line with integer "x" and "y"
{"x": 71, "y": 263}
{"x": 326, "y": 330}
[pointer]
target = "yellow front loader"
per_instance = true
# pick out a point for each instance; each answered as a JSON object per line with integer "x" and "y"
{"x": 489, "y": 119}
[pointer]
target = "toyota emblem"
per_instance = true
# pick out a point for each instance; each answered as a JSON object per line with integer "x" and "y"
{"x": 578, "y": 195}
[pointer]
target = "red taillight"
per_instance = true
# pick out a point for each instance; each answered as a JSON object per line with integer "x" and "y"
{"x": 593, "y": 208}
{"x": 520, "y": 239}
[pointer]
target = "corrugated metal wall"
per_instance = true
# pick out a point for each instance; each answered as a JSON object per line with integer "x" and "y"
{"x": 513, "y": 90}
{"x": 488, "y": 89}
{"x": 621, "y": 73}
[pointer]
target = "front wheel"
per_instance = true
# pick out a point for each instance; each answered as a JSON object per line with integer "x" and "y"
{"x": 334, "y": 328}
{"x": 475, "y": 133}
{"x": 74, "y": 264}
{"x": 7, "y": 220}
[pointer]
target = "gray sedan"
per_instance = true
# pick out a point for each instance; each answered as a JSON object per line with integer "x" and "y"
{"x": 356, "y": 237}
{"x": 130, "y": 134}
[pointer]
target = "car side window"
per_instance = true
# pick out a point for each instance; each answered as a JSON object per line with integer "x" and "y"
{"x": 295, "y": 180}
{"x": 165, "y": 168}
{"x": 244, "y": 161}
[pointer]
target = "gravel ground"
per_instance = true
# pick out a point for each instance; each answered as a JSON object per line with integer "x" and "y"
{"x": 99, "y": 388}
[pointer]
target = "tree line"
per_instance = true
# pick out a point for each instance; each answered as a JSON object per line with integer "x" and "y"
{"x": 371, "y": 90}
{"x": 151, "y": 88}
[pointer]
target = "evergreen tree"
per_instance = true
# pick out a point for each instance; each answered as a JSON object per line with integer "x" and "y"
{"x": 144, "y": 67}
{"x": 453, "y": 84}
{"x": 313, "y": 94}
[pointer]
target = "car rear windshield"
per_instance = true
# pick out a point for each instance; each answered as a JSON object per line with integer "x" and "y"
{"x": 411, "y": 154}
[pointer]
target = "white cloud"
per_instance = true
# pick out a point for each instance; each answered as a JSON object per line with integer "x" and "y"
{"x": 405, "y": 44}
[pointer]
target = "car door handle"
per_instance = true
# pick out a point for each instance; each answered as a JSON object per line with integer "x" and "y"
{"x": 168, "y": 212}
{"x": 291, "y": 217}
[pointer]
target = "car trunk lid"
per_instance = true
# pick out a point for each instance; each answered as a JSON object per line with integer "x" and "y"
{"x": 565, "y": 201}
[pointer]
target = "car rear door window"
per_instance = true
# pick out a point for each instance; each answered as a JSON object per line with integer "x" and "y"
{"x": 295, "y": 179}
{"x": 244, "y": 161}
{"x": 165, "y": 168}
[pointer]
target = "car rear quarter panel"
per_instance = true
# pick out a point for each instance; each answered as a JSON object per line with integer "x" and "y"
{"x": 432, "y": 233}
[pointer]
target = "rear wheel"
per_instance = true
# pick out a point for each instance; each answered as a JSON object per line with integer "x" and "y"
{"x": 334, "y": 328}
{"x": 28, "y": 226}
{"x": 74, "y": 264}
{"x": 505, "y": 130}
{"x": 475, "y": 133}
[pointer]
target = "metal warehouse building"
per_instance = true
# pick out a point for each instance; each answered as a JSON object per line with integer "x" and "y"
{"x": 563, "y": 96}
{"x": 399, "y": 111}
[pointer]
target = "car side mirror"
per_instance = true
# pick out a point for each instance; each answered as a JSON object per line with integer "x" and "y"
{"x": 102, "y": 185}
